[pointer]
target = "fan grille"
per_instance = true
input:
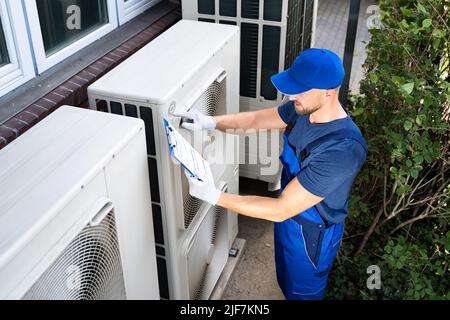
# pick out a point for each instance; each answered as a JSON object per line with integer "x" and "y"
{"x": 191, "y": 206}
{"x": 88, "y": 269}
{"x": 208, "y": 103}
{"x": 199, "y": 292}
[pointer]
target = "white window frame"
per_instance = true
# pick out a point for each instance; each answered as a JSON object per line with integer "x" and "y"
{"x": 20, "y": 69}
{"x": 43, "y": 62}
{"x": 132, "y": 8}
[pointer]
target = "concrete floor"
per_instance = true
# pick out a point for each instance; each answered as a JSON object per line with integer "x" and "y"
{"x": 254, "y": 278}
{"x": 331, "y": 31}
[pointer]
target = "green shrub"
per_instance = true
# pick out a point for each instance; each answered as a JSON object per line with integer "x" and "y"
{"x": 399, "y": 208}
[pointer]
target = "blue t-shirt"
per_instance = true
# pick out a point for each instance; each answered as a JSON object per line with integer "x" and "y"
{"x": 330, "y": 169}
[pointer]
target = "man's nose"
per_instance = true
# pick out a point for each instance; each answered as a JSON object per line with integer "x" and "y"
{"x": 293, "y": 98}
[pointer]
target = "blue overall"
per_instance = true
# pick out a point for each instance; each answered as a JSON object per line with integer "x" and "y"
{"x": 306, "y": 244}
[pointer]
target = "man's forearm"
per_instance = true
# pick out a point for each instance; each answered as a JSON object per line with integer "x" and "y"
{"x": 241, "y": 120}
{"x": 262, "y": 119}
{"x": 253, "y": 206}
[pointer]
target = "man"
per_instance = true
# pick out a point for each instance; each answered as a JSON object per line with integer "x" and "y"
{"x": 322, "y": 154}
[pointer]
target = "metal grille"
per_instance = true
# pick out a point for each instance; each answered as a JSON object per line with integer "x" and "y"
{"x": 88, "y": 269}
{"x": 250, "y": 9}
{"x": 249, "y": 59}
{"x": 270, "y": 60}
{"x": 307, "y": 29}
{"x": 228, "y": 8}
{"x": 209, "y": 103}
{"x": 262, "y": 45}
{"x": 211, "y": 99}
{"x": 299, "y": 28}
{"x": 191, "y": 206}
{"x": 199, "y": 291}
{"x": 206, "y": 6}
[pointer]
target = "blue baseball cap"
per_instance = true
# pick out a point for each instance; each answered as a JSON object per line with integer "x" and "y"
{"x": 314, "y": 68}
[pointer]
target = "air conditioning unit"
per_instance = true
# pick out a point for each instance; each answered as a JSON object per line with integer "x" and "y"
{"x": 75, "y": 211}
{"x": 191, "y": 66}
{"x": 273, "y": 33}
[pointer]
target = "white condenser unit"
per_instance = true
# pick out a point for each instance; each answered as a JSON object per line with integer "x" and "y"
{"x": 75, "y": 213}
{"x": 273, "y": 33}
{"x": 193, "y": 66}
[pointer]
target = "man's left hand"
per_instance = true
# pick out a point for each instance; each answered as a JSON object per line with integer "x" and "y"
{"x": 204, "y": 190}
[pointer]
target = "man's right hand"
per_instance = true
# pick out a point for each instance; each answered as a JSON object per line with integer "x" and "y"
{"x": 196, "y": 121}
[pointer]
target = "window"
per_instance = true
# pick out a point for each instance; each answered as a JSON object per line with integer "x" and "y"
{"x": 128, "y": 9}
{"x": 16, "y": 66}
{"x": 60, "y": 28}
{"x": 35, "y": 35}
{"x": 56, "y": 28}
{"x": 4, "y": 56}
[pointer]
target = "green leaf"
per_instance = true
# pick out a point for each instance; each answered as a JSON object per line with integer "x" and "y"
{"x": 403, "y": 189}
{"x": 408, "y": 87}
{"x": 437, "y": 33}
{"x": 436, "y": 43}
{"x": 418, "y": 159}
{"x": 426, "y": 23}
{"x": 414, "y": 173}
{"x": 409, "y": 163}
{"x": 419, "y": 120}
{"x": 357, "y": 112}
{"x": 407, "y": 125}
{"x": 407, "y": 12}
{"x": 398, "y": 80}
{"x": 404, "y": 23}
{"x": 421, "y": 8}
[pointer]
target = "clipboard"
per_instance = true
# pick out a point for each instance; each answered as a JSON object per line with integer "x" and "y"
{"x": 182, "y": 152}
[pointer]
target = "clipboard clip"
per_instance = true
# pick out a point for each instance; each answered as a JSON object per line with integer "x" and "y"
{"x": 185, "y": 120}
{"x": 170, "y": 138}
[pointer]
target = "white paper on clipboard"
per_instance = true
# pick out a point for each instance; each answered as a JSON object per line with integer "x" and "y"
{"x": 183, "y": 152}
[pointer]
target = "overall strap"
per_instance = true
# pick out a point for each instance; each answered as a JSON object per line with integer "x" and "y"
{"x": 335, "y": 135}
{"x": 290, "y": 125}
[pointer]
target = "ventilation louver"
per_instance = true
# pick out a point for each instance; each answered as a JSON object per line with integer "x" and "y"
{"x": 210, "y": 239}
{"x": 208, "y": 103}
{"x": 89, "y": 268}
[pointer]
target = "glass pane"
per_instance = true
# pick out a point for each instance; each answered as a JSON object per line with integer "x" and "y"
{"x": 270, "y": 60}
{"x": 206, "y": 7}
{"x": 4, "y": 57}
{"x": 272, "y": 10}
{"x": 66, "y": 21}
{"x": 227, "y": 8}
{"x": 250, "y": 9}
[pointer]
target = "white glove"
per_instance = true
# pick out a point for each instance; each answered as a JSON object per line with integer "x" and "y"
{"x": 204, "y": 190}
{"x": 196, "y": 121}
